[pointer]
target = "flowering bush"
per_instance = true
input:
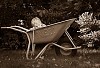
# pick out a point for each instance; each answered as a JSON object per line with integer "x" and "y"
{"x": 89, "y": 28}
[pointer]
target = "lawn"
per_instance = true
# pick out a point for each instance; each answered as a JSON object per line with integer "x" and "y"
{"x": 16, "y": 59}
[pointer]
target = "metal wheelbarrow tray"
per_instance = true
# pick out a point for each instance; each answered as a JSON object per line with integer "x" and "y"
{"x": 49, "y": 34}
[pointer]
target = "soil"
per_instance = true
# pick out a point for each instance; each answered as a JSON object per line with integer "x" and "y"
{"x": 16, "y": 59}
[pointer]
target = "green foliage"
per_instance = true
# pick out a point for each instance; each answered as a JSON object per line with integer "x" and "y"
{"x": 87, "y": 23}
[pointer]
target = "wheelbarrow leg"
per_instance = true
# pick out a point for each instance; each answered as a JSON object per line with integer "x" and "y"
{"x": 42, "y": 51}
{"x": 33, "y": 45}
{"x": 33, "y": 49}
{"x": 27, "y": 53}
{"x": 29, "y": 44}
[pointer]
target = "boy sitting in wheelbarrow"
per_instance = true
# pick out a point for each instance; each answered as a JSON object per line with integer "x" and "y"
{"x": 36, "y": 23}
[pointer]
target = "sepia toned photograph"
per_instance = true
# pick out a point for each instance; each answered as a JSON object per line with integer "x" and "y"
{"x": 49, "y": 33}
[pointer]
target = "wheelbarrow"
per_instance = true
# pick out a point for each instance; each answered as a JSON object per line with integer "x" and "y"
{"x": 49, "y": 34}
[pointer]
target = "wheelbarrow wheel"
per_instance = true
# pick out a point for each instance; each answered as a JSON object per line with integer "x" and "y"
{"x": 64, "y": 53}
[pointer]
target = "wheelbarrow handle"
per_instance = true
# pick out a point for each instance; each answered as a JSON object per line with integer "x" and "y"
{"x": 20, "y": 28}
{"x": 5, "y": 27}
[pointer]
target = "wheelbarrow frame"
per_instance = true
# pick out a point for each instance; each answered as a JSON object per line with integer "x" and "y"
{"x": 31, "y": 37}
